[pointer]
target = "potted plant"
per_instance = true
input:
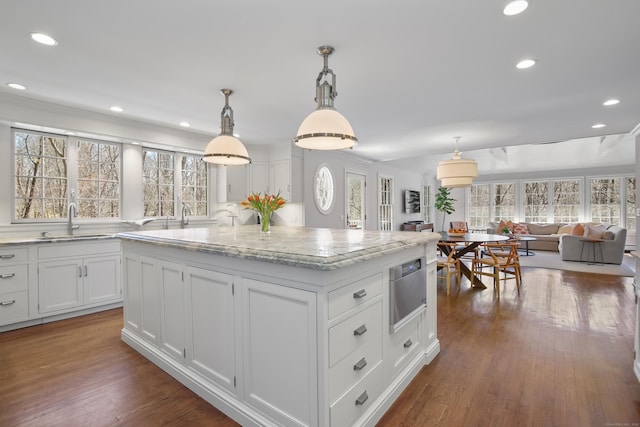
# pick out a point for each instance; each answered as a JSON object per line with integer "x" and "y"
{"x": 505, "y": 230}
{"x": 444, "y": 203}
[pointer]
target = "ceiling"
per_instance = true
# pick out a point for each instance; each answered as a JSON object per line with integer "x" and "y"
{"x": 411, "y": 74}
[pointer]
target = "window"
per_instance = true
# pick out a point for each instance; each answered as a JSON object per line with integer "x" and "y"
{"x": 158, "y": 183}
{"x": 566, "y": 201}
{"x": 385, "y": 206}
{"x": 98, "y": 180}
{"x": 194, "y": 184}
{"x": 40, "y": 176}
{"x": 356, "y": 206}
{"x": 605, "y": 200}
{"x": 426, "y": 204}
{"x": 479, "y": 206}
{"x": 323, "y": 189}
{"x": 504, "y": 201}
{"x": 631, "y": 203}
{"x": 536, "y": 200}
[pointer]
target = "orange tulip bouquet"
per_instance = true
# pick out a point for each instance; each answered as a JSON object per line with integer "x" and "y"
{"x": 265, "y": 207}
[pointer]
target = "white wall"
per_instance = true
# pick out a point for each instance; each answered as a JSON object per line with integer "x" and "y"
{"x": 340, "y": 163}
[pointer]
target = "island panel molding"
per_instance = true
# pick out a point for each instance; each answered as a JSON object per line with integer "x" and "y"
{"x": 291, "y": 330}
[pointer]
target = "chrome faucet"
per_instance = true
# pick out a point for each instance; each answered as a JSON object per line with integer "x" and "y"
{"x": 184, "y": 220}
{"x": 73, "y": 212}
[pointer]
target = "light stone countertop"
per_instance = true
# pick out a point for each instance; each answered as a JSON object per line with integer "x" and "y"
{"x": 314, "y": 248}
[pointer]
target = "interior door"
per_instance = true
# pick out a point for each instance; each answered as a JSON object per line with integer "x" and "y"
{"x": 356, "y": 200}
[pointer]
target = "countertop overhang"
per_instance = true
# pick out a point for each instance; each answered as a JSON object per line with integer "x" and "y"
{"x": 313, "y": 248}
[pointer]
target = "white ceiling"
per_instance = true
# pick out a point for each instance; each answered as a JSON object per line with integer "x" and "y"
{"x": 411, "y": 74}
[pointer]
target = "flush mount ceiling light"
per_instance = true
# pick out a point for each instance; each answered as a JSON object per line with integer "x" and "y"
{"x": 598, "y": 126}
{"x": 325, "y": 128}
{"x": 44, "y": 39}
{"x": 610, "y": 102}
{"x": 515, "y": 7}
{"x": 226, "y": 149}
{"x": 457, "y": 172}
{"x": 17, "y": 86}
{"x": 525, "y": 63}
{"x": 116, "y": 109}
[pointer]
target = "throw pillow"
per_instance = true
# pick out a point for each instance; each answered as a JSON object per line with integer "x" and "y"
{"x": 595, "y": 231}
{"x": 520, "y": 228}
{"x": 566, "y": 229}
{"x": 608, "y": 235}
{"x": 578, "y": 230}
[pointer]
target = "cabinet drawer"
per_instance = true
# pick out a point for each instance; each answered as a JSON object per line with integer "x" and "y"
{"x": 78, "y": 249}
{"x": 404, "y": 344}
{"x": 351, "y": 333}
{"x": 355, "y": 366}
{"x": 10, "y": 256}
{"x": 14, "y": 306}
{"x": 357, "y": 401}
{"x": 13, "y": 278}
{"x": 353, "y": 295}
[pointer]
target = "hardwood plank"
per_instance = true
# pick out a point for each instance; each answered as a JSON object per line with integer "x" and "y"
{"x": 559, "y": 354}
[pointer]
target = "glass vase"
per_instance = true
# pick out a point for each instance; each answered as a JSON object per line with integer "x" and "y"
{"x": 265, "y": 223}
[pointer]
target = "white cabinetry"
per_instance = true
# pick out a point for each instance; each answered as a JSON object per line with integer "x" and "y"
{"x": 14, "y": 285}
{"x": 73, "y": 275}
{"x": 236, "y": 183}
{"x": 259, "y": 177}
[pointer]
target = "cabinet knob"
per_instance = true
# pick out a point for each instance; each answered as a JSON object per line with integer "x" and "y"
{"x": 363, "y": 398}
{"x": 360, "y": 365}
{"x": 408, "y": 344}
{"x": 361, "y": 330}
{"x": 5, "y": 303}
{"x": 360, "y": 294}
{"x": 7, "y": 276}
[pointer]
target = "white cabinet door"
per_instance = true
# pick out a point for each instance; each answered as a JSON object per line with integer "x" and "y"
{"x": 132, "y": 293}
{"x": 236, "y": 183}
{"x": 281, "y": 177}
{"x": 173, "y": 309}
{"x": 210, "y": 325}
{"x": 259, "y": 177}
{"x": 102, "y": 281}
{"x": 280, "y": 351}
{"x": 60, "y": 285}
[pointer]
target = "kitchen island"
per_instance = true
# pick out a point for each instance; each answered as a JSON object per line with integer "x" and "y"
{"x": 299, "y": 327}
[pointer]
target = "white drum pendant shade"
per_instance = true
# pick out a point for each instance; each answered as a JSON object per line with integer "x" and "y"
{"x": 457, "y": 172}
{"x": 312, "y": 133}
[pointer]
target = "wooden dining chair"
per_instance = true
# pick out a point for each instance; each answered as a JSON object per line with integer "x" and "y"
{"x": 448, "y": 265}
{"x": 501, "y": 258}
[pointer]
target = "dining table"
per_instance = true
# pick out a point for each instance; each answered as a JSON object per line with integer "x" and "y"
{"x": 465, "y": 243}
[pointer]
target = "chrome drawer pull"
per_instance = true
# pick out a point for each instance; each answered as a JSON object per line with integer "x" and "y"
{"x": 7, "y": 256}
{"x": 80, "y": 271}
{"x": 361, "y": 364}
{"x": 361, "y": 330}
{"x": 408, "y": 344}
{"x": 360, "y": 294}
{"x": 5, "y": 303}
{"x": 363, "y": 398}
{"x": 7, "y": 276}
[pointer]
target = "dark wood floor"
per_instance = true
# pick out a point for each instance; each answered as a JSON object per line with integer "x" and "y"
{"x": 560, "y": 354}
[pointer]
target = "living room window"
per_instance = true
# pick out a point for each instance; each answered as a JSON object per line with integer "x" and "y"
{"x": 566, "y": 201}
{"x": 427, "y": 204}
{"x": 631, "y": 203}
{"x": 536, "y": 201}
{"x": 479, "y": 206}
{"x": 504, "y": 201}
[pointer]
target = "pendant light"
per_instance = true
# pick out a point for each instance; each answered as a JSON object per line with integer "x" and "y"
{"x": 325, "y": 128}
{"x": 457, "y": 172}
{"x": 226, "y": 149}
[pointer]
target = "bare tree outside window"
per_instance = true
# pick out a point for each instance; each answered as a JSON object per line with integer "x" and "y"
{"x": 566, "y": 201}
{"x": 194, "y": 184}
{"x": 504, "y": 201}
{"x": 605, "y": 200}
{"x": 40, "y": 176}
{"x": 479, "y": 206}
{"x": 98, "y": 180}
{"x": 385, "y": 207}
{"x": 536, "y": 201}
{"x": 631, "y": 203}
{"x": 158, "y": 183}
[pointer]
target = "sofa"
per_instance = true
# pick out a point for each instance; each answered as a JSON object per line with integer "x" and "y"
{"x": 614, "y": 239}
{"x": 547, "y": 237}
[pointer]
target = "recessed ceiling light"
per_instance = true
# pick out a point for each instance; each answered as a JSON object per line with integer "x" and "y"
{"x": 116, "y": 109}
{"x": 44, "y": 39}
{"x": 135, "y": 143}
{"x": 609, "y": 102}
{"x": 525, "y": 63}
{"x": 185, "y": 124}
{"x": 17, "y": 86}
{"x": 515, "y": 7}
{"x": 598, "y": 125}
{"x": 68, "y": 132}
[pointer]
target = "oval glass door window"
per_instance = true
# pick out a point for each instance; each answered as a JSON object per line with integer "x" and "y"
{"x": 323, "y": 189}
